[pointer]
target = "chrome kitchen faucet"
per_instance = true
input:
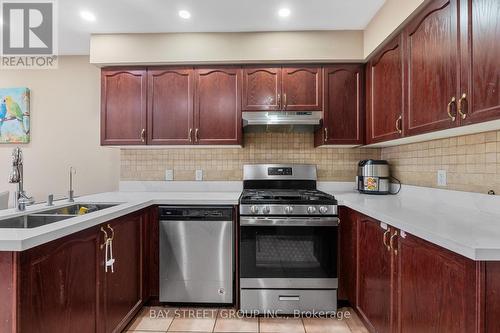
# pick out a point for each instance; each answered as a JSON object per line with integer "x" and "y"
{"x": 16, "y": 176}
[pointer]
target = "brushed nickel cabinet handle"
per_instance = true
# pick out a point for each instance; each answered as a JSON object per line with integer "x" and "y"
{"x": 143, "y": 135}
{"x": 453, "y": 101}
{"x": 278, "y": 101}
{"x": 325, "y": 130}
{"x": 385, "y": 240}
{"x": 462, "y": 99}
{"x": 112, "y": 233}
{"x": 391, "y": 243}
{"x": 285, "y": 104}
{"x": 105, "y": 238}
{"x": 196, "y": 135}
{"x": 398, "y": 128}
{"x": 190, "y": 135}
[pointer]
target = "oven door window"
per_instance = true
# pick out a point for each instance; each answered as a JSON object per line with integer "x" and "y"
{"x": 288, "y": 252}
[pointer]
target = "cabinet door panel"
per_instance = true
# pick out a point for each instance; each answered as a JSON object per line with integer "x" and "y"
{"x": 374, "y": 276}
{"x": 123, "y": 287}
{"x": 170, "y": 106}
{"x": 343, "y": 111}
{"x": 481, "y": 60}
{"x": 218, "y": 106}
{"x": 385, "y": 101}
{"x": 302, "y": 89}
{"x": 261, "y": 89}
{"x": 432, "y": 61}
{"x": 347, "y": 255}
{"x": 59, "y": 289}
{"x": 437, "y": 292}
{"x": 123, "y": 107}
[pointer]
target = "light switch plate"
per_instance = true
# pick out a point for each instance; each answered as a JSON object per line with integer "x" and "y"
{"x": 169, "y": 174}
{"x": 199, "y": 174}
{"x": 441, "y": 178}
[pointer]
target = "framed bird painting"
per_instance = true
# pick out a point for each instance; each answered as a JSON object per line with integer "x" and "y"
{"x": 14, "y": 115}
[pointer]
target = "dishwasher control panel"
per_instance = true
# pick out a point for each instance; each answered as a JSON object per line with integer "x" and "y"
{"x": 190, "y": 213}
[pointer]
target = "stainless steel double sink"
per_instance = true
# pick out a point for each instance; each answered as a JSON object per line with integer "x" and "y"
{"x": 52, "y": 215}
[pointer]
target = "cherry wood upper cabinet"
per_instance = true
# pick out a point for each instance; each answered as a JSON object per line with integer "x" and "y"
{"x": 123, "y": 287}
{"x": 432, "y": 68}
{"x": 384, "y": 93}
{"x": 480, "y": 95}
{"x": 261, "y": 89}
{"x": 59, "y": 288}
{"x": 437, "y": 291}
{"x": 375, "y": 275}
{"x": 217, "y": 106}
{"x": 123, "y": 106}
{"x": 343, "y": 120}
{"x": 302, "y": 89}
{"x": 170, "y": 106}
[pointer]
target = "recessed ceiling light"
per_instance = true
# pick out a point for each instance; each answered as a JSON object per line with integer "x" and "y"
{"x": 87, "y": 16}
{"x": 284, "y": 12}
{"x": 184, "y": 14}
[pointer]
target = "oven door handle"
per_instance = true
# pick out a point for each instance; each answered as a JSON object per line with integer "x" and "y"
{"x": 289, "y": 221}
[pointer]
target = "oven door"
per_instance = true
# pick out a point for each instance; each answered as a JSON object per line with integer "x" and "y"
{"x": 288, "y": 252}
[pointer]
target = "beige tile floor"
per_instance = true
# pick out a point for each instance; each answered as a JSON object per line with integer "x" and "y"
{"x": 208, "y": 320}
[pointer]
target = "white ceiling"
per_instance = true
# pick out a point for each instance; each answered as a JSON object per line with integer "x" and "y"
{"x": 138, "y": 16}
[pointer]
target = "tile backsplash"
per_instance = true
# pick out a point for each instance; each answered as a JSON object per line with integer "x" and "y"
{"x": 336, "y": 164}
{"x": 472, "y": 162}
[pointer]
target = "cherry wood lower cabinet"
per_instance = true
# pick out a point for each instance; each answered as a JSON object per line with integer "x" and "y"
{"x": 62, "y": 286}
{"x": 405, "y": 284}
{"x": 375, "y": 281}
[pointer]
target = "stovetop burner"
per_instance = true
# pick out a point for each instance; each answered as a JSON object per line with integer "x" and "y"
{"x": 281, "y": 196}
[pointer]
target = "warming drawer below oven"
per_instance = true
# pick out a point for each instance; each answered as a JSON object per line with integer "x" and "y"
{"x": 288, "y": 301}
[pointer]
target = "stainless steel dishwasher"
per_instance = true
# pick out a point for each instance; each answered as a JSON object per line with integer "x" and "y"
{"x": 196, "y": 254}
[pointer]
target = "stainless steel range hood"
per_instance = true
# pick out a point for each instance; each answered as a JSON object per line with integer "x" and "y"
{"x": 282, "y": 118}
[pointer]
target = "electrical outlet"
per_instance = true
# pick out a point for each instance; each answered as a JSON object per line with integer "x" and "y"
{"x": 199, "y": 174}
{"x": 441, "y": 178}
{"x": 169, "y": 174}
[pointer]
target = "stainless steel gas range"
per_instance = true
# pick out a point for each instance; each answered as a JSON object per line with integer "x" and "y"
{"x": 288, "y": 241}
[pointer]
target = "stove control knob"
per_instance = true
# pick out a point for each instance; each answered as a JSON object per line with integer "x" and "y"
{"x": 311, "y": 210}
{"x": 254, "y": 209}
{"x": 323, "y": 209}
{"x": 288, "y": 210}
{"x": 266, "y": 210}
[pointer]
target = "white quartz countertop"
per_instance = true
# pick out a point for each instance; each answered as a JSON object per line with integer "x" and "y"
{"x": 128, "y": 202}
{"x": 465, "y": 223}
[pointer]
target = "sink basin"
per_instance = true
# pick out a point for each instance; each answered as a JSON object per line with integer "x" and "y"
{"x": 75, "y": 209}
{"x": 31, "y": 221}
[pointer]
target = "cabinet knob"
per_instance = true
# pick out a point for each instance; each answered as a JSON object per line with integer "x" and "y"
{"x": 143, "y": 135}
{"x": 196, "y": 135}
{"x": 448, "y": 108}
{"x": 325, "y": 136}
{"x": 460, "y": 107}
{"x": 190, "y": 135}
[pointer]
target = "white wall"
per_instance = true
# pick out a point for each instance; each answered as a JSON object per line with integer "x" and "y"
{"x": 64, "y": 131}
{"x": 224, "y": 47}
{"x": 389, "y": 17}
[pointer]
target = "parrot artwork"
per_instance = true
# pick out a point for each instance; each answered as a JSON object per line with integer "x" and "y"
{"x": 3, "y": 113}
{"x": 14, "y": 112}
